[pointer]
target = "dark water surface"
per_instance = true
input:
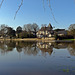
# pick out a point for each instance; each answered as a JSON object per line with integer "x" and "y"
{"x": 37, "y": 58}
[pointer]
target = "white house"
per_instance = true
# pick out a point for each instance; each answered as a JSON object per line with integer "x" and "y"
{"x": 45, "y": 32}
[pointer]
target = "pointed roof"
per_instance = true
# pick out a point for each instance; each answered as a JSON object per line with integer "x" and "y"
{"x": 50, "y": 25}
{"x": 48, "y": 28}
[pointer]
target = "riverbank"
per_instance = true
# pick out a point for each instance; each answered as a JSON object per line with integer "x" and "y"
{"x": 70, "y": 39}
{"x": 30, "y": 39}
{"x": 39, "y": 40}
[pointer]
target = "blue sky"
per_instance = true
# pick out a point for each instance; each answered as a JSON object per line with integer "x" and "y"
{"x": 32, "y": 11}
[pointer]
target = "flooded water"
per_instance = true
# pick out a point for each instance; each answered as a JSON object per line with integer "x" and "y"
{"x": 37, "y": 58}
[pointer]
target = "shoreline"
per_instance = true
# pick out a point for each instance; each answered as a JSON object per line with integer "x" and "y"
{"x": 38, "y": 40}
{"x": 29, "y": 39}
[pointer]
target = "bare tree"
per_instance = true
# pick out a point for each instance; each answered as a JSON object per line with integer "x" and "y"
{"x": 43, "y": 25}
{"x": 3, "y": 30}
{"x": 35, "y": 28}
{"x": 72, "y": 30}
{"x": 28, "y": 28}
{"x": 24, "y": 27}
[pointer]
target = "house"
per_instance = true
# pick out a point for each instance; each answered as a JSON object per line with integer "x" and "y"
{"x": 60, "y": 32}
{"x": 45, "y": 31}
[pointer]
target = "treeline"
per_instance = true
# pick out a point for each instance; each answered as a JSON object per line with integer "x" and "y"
{"x": 70, "y": 32}
{"x": 27, "y": 31}
{"x": 30, "y": 30}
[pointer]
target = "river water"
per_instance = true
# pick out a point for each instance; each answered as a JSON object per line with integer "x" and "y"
{"x": 37, "y": 58}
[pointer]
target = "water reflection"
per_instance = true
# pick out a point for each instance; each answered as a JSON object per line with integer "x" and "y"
{"x": 27, "y": 47}
{"x": 33, "y": 62}
{"x": 71, "y": 48}
{"x": 33, "y": 48}
{"x": 45, "y": 47}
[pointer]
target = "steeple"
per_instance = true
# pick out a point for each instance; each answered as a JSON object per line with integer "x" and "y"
{"x": 50, "y": 26}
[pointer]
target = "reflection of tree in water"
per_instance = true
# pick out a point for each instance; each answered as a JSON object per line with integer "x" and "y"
{"x": 6, "y": 46}
{"x": 3, "y": 47}
{"x": 33, "y": 48}
{"x": 30, "y": 49}
{"x": 71, "y": 48}
{"x": 18, "y": 47}
{"x": 69, "y": 45}
{"x": 27, "y": 47}
{"x": 10, "y": 46}
{"x": 58, "y": 45}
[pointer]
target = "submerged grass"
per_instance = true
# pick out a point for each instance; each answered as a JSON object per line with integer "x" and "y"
{"x": 65, "y": 70}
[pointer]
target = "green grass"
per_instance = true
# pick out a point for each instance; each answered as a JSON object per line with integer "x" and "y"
{"x": 65, "y": 70}
{"x": 68, "y": 39}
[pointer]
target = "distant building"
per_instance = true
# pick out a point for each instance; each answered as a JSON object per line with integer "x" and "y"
{"x": 60, "y": 32}
{"x": 45, "y": 32}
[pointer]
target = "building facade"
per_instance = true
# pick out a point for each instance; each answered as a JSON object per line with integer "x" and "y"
{"x": 45, "y": 32}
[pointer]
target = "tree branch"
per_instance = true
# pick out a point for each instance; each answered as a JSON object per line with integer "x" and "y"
{"x": 52, "y": 12}
{"x": 43, "y": 5}
{"x": 1, "y": 3}
{"x": 18, "y": 9}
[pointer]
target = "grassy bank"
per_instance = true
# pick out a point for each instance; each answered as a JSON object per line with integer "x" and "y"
{"x": 69, "y": 39}
{"x": 19, "y": 39}
{"x": 39, "y": 40}
{"x": 30, "y": 39}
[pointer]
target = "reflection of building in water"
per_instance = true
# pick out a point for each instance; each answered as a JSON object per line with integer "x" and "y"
{"x": 71, "y": 49}
{"x": 30, "y": 48}
{"x": 60, "y": 45}
{"x": 45, "y": 47}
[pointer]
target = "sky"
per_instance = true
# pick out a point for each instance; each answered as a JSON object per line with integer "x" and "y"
{"x": 32, "y": 11}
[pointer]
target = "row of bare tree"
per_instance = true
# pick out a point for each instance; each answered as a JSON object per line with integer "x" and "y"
{"x": 28, "y": 30}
